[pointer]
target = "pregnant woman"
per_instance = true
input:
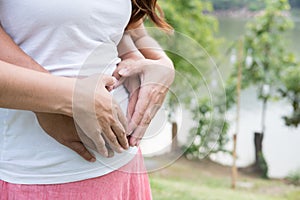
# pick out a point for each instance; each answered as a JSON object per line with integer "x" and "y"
{"x": 44, "y": 45}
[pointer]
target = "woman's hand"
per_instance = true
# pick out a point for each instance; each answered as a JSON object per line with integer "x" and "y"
{"x": 98, "y": 115}
{"x": 148, "y": 82}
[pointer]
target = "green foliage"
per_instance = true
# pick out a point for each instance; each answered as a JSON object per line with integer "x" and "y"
{"x": 187, "y": 17}
{"x": 264, "y": 53}
{"x": 228, "y": 4}
{"x": 194, "y": 40}
{"x": 272, "y": 65}
{"x": 294, "y": 177}
{"x": 264, "y": 61}
{"x": 263, "y": 166}
{"x": 291, "y": 92}
{"x": 252, "y": 5}
{"x": 255, "y": 5}
{"x": 190, "y": 180}
{"x": 265, "y": 44}
{"x": 211, "y": 134}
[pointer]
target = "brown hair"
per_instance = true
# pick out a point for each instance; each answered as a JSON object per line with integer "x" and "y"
{"x": 150, "y": 8}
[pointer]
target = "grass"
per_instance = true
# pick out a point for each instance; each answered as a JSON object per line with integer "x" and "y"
{"x": 190, "y": 180}
{"x": 294, "y": 177}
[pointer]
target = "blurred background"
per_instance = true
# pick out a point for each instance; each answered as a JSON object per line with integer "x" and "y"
{"x": 230, "y": 128}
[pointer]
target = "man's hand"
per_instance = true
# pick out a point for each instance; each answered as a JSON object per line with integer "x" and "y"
{"x": 63, "y": 130}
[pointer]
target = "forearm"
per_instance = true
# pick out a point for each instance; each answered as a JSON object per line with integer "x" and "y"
{"x": 13, "y": 54}
{"x": 127, "y": 48}
{"x": 30, "y": 90}
{"x": 141, "y": 44}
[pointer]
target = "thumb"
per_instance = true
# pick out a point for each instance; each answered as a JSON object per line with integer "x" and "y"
{"x": 109, "y": 80}
{"x": 126, "y": 71}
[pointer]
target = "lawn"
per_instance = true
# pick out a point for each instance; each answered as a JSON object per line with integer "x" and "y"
{"x": 194, "y": 180}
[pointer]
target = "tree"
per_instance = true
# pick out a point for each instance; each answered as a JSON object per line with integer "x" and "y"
{"x": 295, "y": 3}
{"x": 210, "y": 136}
{"x": 291, "y": 91}
{"x": 252, "y": 5}
{"x": 264, "y": 62}
{"x": 194, "y": 41}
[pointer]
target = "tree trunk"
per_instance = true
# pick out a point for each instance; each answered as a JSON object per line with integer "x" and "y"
{"x": 260, "y": 165}
{"x": 174, "y": 137}
{"x": 258, "y": 142}
{"x": 263, "y": 117}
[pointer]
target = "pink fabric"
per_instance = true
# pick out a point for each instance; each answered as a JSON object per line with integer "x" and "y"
{"x": 129, "y": 183}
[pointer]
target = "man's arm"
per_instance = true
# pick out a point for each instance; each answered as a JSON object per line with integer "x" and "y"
{"x": 12, "y": 53}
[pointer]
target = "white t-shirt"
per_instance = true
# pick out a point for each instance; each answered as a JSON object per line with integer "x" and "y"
{"x": 61, "y": 36}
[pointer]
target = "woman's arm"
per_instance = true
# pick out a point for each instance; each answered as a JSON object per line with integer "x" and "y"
{"x": 99, "y": 116}
{"x": 29, "y": 90}
{"x": 58, "y": 126}
{"x": 25, "y": 89}
{"x": 148, "y": 74}
{"x": 40, "y": 102}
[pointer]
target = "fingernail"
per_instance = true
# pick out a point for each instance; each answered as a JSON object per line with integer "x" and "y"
{"x": 126, "y": 147}
{"x": 132, "y": 145}
{"x": 132, "y": 141}
{"x": 106, "y": 154}
{"x": 93, "y": 160}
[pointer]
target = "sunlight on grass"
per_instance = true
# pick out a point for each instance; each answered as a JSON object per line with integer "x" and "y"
{"x": 189, "y": 181}
{"x": 163, "y": 189}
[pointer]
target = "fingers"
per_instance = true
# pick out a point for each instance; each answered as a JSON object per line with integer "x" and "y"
{"x": 137, "y": 135}
{"x": 111, "y": 153}
{"x": 116, "y": 74}
{"x": 127, "y": 69}
{"x": 119, "y": 126}
{"x": 100, "y": 144}
{"x": 109, "y": 81}
{"x": 79, "y": 148}
{"x": 112, "y": 139}
{"x": 131, "y": 104}
{"x": 140, "y": 109}
{"x": 121, "y": 117}
{"x": 121, "y": 135}
{"x": 109, "y": 149}
{"x": 140, "y": 131}
{"x": 120, "y": 82}
{"x": 148, "y": 103}
{"x": 88, "y": 142}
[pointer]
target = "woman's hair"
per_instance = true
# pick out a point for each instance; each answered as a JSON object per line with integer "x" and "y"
{"x": 150, "y": 8}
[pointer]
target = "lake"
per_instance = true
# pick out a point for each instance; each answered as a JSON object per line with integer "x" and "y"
{"x": 281, "y": 144}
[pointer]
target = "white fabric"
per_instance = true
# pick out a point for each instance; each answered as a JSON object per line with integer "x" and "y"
{"x": 60, "y": 35}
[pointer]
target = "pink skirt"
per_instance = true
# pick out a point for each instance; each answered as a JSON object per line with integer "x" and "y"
{"x": 129, "y": 183}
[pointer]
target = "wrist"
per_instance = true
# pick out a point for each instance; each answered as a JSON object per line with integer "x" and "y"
{"x": 65, "y": 101}
{"x": 133, "y": 55}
